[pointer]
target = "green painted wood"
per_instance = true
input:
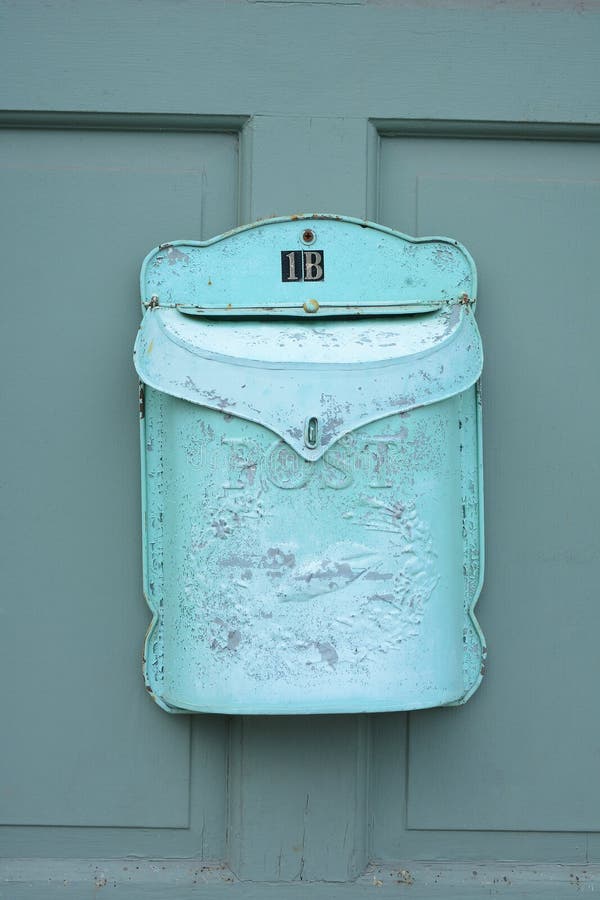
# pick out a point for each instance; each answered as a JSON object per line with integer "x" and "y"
{"x": 593, "y": 847}
{"x": 186, "y": 880}
{"x": 532, "y": 742}
{"x": 298, "y": 798}
{"x": 458, "y": 60}
{"x": 289, "y": 153}
{"x": 470, "y": 129}
{"x": 81, "y": 743}
{"x": 120, "y": 121}
{"x": 461, "y": 119}
{"x": 390, "y": 839}
{"x": 543, "y": 559}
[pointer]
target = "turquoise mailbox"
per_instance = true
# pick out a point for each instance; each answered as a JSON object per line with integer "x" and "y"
{"x": 311, "y": 470}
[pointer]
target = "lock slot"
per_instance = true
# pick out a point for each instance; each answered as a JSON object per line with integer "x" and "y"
{"x": 311, "y": 432}
{"x": 322, "y": 310}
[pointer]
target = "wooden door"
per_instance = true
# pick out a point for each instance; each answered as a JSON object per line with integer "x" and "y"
{"x": 126, "y": 125}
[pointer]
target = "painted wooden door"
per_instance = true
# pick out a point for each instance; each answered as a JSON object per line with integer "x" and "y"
{"x": 125, "y": 125}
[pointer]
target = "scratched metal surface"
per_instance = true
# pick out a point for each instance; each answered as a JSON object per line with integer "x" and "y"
{"x": 285, "y": 579}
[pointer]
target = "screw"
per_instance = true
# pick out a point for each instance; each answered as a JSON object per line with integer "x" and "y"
{"x": 310, "y": 306}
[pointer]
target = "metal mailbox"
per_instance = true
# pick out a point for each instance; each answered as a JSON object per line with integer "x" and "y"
{"x": 311, "y": 470}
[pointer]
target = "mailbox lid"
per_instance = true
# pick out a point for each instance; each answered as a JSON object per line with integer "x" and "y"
{"x": 343, "y": 373}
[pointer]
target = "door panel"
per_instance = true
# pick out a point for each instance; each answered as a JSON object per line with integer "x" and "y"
{"x": 518, "y": 756}
{"x": 81, "y": 744}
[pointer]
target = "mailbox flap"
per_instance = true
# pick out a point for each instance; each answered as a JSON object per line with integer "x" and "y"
{"x": 341, "y": 373}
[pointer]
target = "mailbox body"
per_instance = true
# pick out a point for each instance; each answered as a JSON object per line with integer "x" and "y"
{"x": 311, "y": 470}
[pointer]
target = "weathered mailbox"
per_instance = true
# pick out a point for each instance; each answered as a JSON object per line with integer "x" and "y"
{"x": 311, "y": 470}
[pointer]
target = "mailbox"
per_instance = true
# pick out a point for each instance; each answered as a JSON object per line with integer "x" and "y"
{"x": 311, "y": 470}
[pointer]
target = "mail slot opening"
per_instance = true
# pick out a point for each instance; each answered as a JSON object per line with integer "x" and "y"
{"x": 311, "y": 310}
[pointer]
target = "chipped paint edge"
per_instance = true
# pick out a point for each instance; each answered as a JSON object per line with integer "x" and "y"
{"x": 470, "y": 608}
{"x": 481, "y": 513}
{"x": 33, "y": 877}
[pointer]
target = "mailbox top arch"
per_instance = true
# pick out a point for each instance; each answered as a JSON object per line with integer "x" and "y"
{"x": 311, "y": 265}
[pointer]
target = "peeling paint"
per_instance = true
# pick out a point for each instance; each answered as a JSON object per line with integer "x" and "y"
{"x": 324, "y": 617}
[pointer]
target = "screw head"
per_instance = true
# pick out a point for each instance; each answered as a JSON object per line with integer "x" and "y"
{"x": 310, "y": 306}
